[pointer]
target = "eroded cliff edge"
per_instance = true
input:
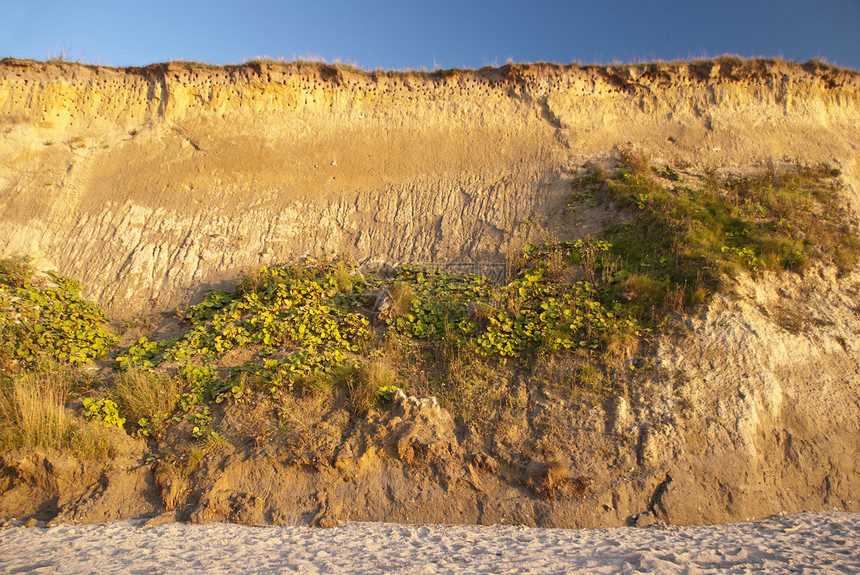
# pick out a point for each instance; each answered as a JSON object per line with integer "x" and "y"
{"x": 148, "y": 183}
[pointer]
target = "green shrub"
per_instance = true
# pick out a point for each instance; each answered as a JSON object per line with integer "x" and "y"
{"x": 692, "y": 233}
{"x": 103, "y": 411}
{"x": 48, "y": 319}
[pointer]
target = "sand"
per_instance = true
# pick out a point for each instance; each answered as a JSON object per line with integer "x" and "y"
{"x": 152, "y": 185}
{"x": 803, "y": 543}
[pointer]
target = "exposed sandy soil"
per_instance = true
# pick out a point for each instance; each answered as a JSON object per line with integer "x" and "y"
{"x": 151, "y": 185}
{"x": 741, "y": 418}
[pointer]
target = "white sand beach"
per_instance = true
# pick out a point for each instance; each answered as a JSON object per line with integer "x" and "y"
{"x": 802, "y": 543}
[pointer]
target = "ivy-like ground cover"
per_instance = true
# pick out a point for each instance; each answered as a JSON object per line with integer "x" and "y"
{"x": 310, "y": 320}
{"x": 45, "y": 317}
{"x": 318, "y": 324}
{"x": 304, "y": 309}
{"x": 531, "y": 314}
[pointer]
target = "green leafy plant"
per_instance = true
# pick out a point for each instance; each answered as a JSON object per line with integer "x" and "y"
{"x": 530, "y": 313}
{"x": 199, "y": 381}
{"x": 46, "y": 317}
{"x": 143, "y": 353}
{"x": 103, "y": 411}
{"x": 201, "y": 418}
{"x": 306, "y": 308}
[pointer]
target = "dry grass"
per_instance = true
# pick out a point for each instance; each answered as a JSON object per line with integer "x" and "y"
{"x": 475, "y": 389}
{"x": 91, "y": 441}
{"x": 312, "y": 427}
{"x": 362, "y": 384}
{"x": 16, "y": 271}
{"x": 141, "y": 393}
{"x": 32, "y": 410}
{"x": 402, "y": 297}
{"x": 791, "y": 320}
{"x": 33, "y": 414}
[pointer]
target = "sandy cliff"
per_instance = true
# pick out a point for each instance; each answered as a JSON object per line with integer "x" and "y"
{"x": 152, "y": 184}
{"x": 147, "y": 183}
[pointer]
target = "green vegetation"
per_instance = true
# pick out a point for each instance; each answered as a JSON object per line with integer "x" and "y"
{"x": 44, "y": 320}
{"x": 300, "y": 319}
{"x": 685, "y": 236}
{"x": 531, "y": 314}
{"x": 103, "y": 411}
{"x": 304, "y": 331}
{"x": 45, "y": 317}
{"x": 311, "y": 348}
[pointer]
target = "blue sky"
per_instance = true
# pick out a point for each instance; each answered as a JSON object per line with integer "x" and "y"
{"x": 431, "y": 34}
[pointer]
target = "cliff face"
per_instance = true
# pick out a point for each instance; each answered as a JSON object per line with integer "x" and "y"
{"x": 148, "y": 183}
